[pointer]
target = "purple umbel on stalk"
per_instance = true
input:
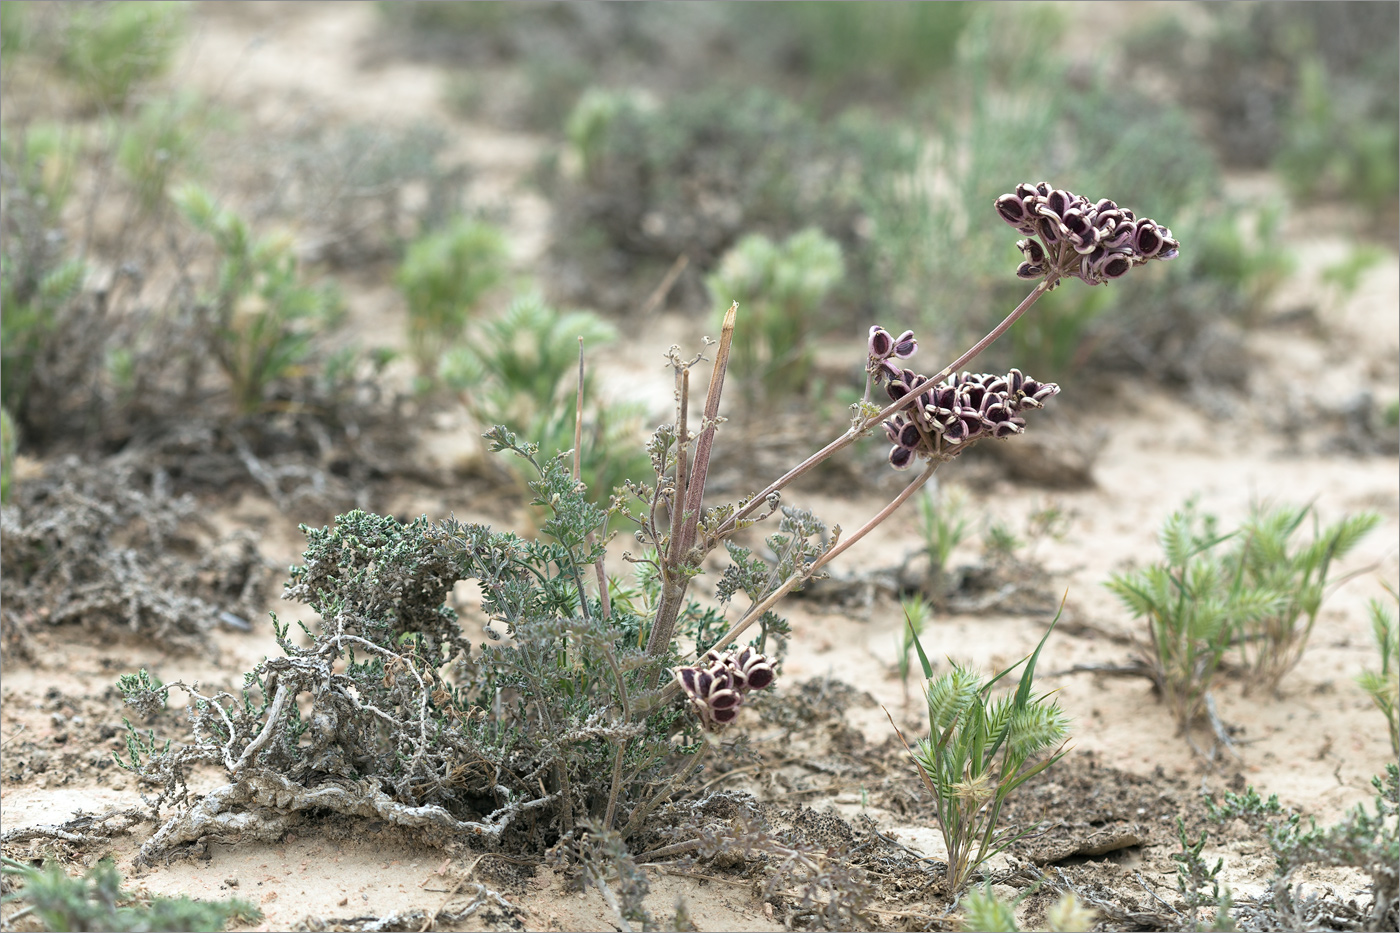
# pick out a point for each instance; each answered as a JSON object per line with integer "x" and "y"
{"x": 1094, "y": 241}
{"x": 718, "y": 683}
{"x": 950, "y": 415}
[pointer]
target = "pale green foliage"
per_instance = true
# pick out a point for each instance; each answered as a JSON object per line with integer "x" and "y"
{"x": 979, "y": 750}
{"x": 37, "y": 283}
{"x": 1267, "y": 557}
{"x": 15, "y": 29}
{"x": 587, "y": 125}
{"x": 1193, "y": 876}
{"x": 109, "y": 48}
{"x": 916, "y": 615}
{"x": 943, "y": 524}
{"x": 779, "y": 288}
{"x": 1365, "y": 839}
{"x": 444, "y": 276}
{"x": 1191, "y": 604}
{"x": 1339, "y": 143}
{"x": 1383, "y": 686}
{"x": 984, "y": 911}
{"x": 1261, "y": 592}
{"x": 9, "y": 442}
{"x": 261, "y": 318}
{"x": 96, "y": 901}
{"x": 521, "y": 370}
{"x": 161, "y": 141}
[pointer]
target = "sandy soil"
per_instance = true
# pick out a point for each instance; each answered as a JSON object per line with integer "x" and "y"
{"x": 1316, "y": 744}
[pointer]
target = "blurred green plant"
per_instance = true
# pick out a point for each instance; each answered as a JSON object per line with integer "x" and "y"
{"x": 916, "y": 615}
{"x": 1345, "y": 274}
{"x": 37, "y": 279}
{"x": 1340, "y": 144}
{"x": 590, "y": 121}
{"x": 110, "y": 48}
{"x": 984, "y": 911}
{"x": 444, "y": 276}
{"x": 260, "y": 319}
{"x": 943, "y": 525}
{"x": 520, "y": 370}
{"x": 158, "y": 143}
{"x": 1192, "y": 603}
{"x": 780, "y": 288}
{"x": 1016, "y": 106}
{"x": 1261, "y": 593}
{"x": 31, "y": 323}
{"x": 1383, "y": 686}
{"x": 15, "y": 29}
{"x": 978, "y": 751}
{"x": 96, "y": 901}
{"x": 1000, "y": 542}
{"x": 696, "y": 172}
{"x": 842, "y": 43}
{"x": 1267, "y": 558}
{"x": 9, "y": 445}
{"x": 454, "y": 17}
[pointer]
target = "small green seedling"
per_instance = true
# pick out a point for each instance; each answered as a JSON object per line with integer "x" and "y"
{"x": 1383, "y": 686}
{"x": 979, "y": 750}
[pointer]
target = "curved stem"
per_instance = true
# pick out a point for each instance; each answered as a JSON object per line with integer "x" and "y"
{"x": 852, "y": 435}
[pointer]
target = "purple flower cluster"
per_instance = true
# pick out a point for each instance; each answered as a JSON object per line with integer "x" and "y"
{"x": 1094, "y": 241}
{"x": 718, "y": 683}
{"x": 948, "y": 416}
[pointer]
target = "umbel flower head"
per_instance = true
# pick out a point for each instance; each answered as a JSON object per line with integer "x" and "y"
{"x": 1095, "y": 241}
{"x": 718, "y": 683}
{"x": 949, "y": 416}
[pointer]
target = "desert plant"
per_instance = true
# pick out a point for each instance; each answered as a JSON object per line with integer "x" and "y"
{"x": 1193, "y": 875}
{"x": 1339, "y": 143}
{"x": 589, "y": 123}
{"x": 96, "y": 901}
{"x": 978, "y": 751}
{"x": 109, "y": 48}
{"x": 567, "y": 721}
{"x": 9, "y": 444}
{"x": 158, "y": 143}
{"x": 943, "y": 526}
{"x": 782, "y": 285}
{"x": 515, "y": 370}
{"x": 842, "y": 44}
{"x": 1192, "y": 604}
{"x": 1364, "y": 839}
{"x": 984, "y": 911}
{"x": 444, "y": 276}
{"x": 695, "y": 173}
{"x": 38, "y": 279}
{"x": 260, "y": 318}
{"x": 1383, "y": 686}
{"x": 916, "y": 615}
{"x": 97, "y": 545}
{"x": 15, "y": 29}
{"x": 1266, "y": 557}
{"x": 524, "y": 739}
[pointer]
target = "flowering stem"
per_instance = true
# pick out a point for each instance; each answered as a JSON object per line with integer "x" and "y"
{"x": 757, "y": 610}
{"x": 856, "y": 432}
{"x": 679, "y": 562}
